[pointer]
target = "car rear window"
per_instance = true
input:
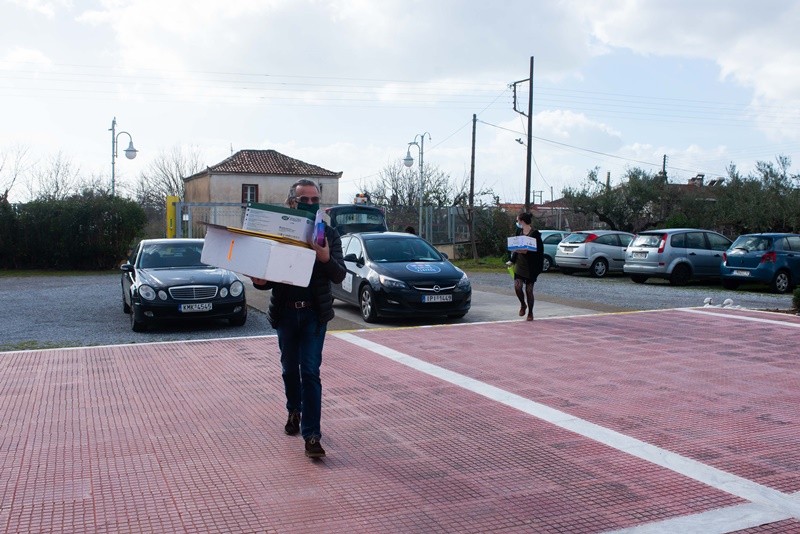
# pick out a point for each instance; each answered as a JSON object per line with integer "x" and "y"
{"x": 576, "y": 238}
{"x": 647, "y": 240}
{"x": 752, "y": 243}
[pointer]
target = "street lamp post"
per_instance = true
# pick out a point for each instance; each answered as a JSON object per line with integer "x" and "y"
{"x": 130, "y": 152}
{"x": 408, "y": 161}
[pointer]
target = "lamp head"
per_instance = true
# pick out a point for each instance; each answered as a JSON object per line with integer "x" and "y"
{"x": 130, "y": 152}
{"x": 408, "y": 161}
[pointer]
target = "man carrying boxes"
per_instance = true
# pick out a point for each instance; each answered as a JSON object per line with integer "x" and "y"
{"x": 300, "y": 315}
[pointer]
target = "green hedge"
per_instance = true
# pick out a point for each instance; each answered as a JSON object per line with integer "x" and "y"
{"x": 85, "y": 231}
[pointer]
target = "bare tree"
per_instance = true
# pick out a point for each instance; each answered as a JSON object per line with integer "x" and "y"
{"x": 13, "y": 163}
{"x": 164, "y": 176}
{"x": 57, "y": 179}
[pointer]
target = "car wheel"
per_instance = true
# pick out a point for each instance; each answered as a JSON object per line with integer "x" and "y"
{"x": 567, "y": 271}
{"x": 125, "y": 307}
{"x": 457, "y": 315}
{"x": 367, "y": 302}
{"x": 137, "y": 326}
{"x": 599, "y": 268}
{"x": 681, "y": 274}
{"x": 546, "y": 264}
{"x": 730, "y": 284}
{"x": 781, "y": 283}
{"x": 639, "y": 278}
{"x": 238, "y": 321}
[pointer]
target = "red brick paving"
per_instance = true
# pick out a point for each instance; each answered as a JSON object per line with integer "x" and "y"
{"x": 187, "y": 437}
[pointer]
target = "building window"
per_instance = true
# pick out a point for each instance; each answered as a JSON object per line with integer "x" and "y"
{"x": 249, "y": 193}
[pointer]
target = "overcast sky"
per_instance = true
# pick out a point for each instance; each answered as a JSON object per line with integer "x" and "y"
{"x": 346, "y": 84}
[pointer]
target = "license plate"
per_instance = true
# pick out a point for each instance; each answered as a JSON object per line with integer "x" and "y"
{"x": 200, "y": 307}
{"x": 741, "y": 273}
{"x": 639, "y": 255}
{"x": 437, "y": 298}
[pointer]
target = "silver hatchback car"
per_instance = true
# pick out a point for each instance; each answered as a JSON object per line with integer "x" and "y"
{"x": 677, "y": 254}
{"x": 596, "y": 251}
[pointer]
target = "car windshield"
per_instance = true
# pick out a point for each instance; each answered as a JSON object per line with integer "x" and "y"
{"x": 646, "y": 240}
{"x": 401, "y": 249}
{"x": 753, "y": 242}
{"x": 167, "y": 255}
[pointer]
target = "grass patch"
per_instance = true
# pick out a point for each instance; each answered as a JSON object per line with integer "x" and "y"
{"x": 487, "y": 264}
{"x": 19, "y": 273}
{"x": 36, "y": 345}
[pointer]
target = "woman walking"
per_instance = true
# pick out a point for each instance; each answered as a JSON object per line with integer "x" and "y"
{"x": 527, "y": 265}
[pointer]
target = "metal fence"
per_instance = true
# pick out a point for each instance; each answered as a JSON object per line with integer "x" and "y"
{"x": 440, "y": 225}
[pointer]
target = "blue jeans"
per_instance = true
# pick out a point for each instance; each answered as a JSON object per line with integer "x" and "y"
{"x": 300, "y": 338}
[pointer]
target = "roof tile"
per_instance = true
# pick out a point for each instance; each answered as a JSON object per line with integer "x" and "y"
{"x": 268, "y": 162}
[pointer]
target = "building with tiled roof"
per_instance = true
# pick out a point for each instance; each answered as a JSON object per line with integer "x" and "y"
{"x": 258, "y": 176}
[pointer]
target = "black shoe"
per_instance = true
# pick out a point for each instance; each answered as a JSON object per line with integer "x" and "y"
{"x": 293, "y": 423}
{"x": 313, "y": 448}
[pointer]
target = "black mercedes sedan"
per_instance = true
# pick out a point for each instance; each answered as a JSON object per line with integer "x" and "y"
{"x": 164, "y": 280}
{"x": 394, "y": 274}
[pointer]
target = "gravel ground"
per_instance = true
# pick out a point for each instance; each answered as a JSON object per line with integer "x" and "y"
{"x": 72, "y": 311}
{"x": 620, "y": 291}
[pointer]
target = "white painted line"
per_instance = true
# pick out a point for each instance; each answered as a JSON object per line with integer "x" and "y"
{"x": 740, "y": 317}
{"x": 775, "y": 502}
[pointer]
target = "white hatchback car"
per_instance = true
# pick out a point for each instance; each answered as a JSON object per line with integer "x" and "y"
{"x": 597, "y": 251}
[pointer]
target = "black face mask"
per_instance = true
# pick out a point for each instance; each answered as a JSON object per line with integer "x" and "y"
{"x": 311, "y": 208}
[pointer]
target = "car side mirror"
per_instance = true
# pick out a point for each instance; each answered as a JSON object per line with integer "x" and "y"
{"x": 351, "y": 257}
{"x": 127, "y": 267}
{"x": 444, "y": 254}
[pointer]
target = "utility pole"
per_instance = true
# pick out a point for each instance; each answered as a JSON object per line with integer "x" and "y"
{"x": 471, "y": 208}
{"x": 529, "y": 147}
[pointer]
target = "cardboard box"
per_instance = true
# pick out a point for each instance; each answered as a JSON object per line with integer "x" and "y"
{"x": 277, "y": 220}
{"x": 257, "y": 256}
{"x": 521, "y": 242}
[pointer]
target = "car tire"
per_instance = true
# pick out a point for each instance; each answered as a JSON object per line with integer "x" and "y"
{"x": 599, "y": 268}
{"x": 457, "y": 315}
{"x": 366, "y": 301}
{"x": 137, "y": 326}
{"x": 639, "y": 278}
{"x": 730, "y": 284}
{"x": 546, "y": 264}
{"x": 681, "y": 274}
{"x": 125, "y": 307}
{"x": 781, "y": 282}
{"x": 567, "y": 271}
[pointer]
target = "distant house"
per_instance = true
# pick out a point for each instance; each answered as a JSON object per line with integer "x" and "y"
{"x": 258, "y": 176}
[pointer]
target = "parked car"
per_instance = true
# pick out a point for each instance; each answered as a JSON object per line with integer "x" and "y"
{"x": 164, "y": 279}
{"x": 772, "y": 259}
{"x": 350, "y": 218}
{"x": 677, "y": 254}
{"x": 596, "y": 251}
{"x": 551, "y": 239}
{"x": 396, "y": 274}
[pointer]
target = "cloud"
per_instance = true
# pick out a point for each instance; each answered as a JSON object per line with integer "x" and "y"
{"x": 48, "y": 9}
{"x": 18, "y": 55}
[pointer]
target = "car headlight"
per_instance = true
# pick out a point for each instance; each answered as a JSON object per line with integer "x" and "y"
{"x": 464, "y": 282}
{"x": 236, "y": 288}
{"x": 162, "y": 294}
{"x": 223, "y": 292}
{"x": 147, "y": 292}
{"x": 393, "y": 283}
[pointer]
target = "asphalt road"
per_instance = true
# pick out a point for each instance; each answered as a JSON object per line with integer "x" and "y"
{"x": 72, "y": 311}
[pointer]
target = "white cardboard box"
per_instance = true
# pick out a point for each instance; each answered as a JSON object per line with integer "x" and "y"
{"x": 258, "y": 256}
{"x": 278, "y": 220}
{"x": 521, "y": 242}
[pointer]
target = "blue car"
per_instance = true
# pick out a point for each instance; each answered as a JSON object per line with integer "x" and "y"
{"x": 772, "y": 259}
